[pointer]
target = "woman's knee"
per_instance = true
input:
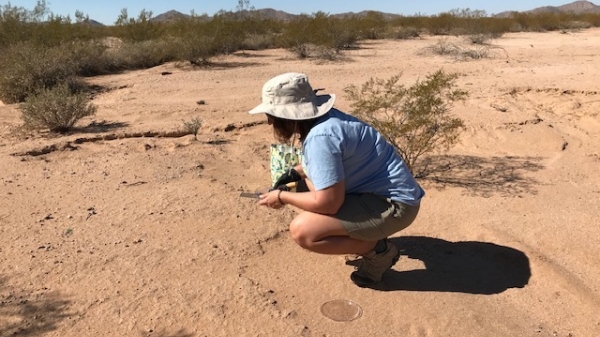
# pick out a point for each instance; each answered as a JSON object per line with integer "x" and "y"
{"x": 299, "y": 232}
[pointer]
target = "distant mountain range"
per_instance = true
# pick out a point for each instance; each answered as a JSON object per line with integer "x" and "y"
{"x": 577, "y": 7}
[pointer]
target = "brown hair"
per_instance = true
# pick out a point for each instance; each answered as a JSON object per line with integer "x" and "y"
{"x": 284, "y": 129}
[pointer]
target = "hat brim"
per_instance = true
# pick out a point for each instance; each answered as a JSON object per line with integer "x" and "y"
{"x": 301, "y": 111}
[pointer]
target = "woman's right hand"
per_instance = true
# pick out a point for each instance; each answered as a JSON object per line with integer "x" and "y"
{"x": 270, "y": 199}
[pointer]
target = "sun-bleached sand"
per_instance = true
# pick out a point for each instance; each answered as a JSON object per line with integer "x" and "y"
{"x": 126, "y": 228}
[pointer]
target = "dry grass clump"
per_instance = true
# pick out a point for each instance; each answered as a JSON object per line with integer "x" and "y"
{"x": 461, "y": 52}
{"x": 442, "y": 47}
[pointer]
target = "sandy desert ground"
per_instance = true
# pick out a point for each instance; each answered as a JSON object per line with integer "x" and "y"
{"x": 106, "y": 233}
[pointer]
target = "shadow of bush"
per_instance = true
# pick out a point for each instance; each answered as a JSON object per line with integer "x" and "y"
{"x": 100, "y": 127}
{"x": 31, "y": 313}
{"x": 215, "y": 65}
{"x": 482, "y": 176}
{"x": 466, "y": 266}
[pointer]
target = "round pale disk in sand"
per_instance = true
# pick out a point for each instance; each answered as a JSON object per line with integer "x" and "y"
{"x": 341, "y": 310}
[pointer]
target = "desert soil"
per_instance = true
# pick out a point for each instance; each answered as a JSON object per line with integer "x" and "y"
{"x": 126, "y": 227}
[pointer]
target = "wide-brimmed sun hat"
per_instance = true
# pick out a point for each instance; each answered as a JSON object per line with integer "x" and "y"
{"x": 290, "y": 96}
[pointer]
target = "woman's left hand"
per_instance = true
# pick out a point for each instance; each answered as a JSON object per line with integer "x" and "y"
{"x": 270, "y": 199}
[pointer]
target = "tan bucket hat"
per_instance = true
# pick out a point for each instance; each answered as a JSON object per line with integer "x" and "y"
{"x": 290, "y": 96}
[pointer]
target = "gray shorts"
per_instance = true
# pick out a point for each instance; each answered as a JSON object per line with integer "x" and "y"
{"x": 370, "y": 217}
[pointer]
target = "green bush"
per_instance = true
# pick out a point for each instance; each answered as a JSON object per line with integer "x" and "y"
{"x": 56, "y": 109}
{"x": 304, "y": 33}
{"x": 416, "y": 120}
{"x": 198, "y": 49}
{"x": 197, "y": 40}
{"x": 27, "y": 68}
{"x": 89, "y": 58}
{"x": 372, "y": 26}
{"x": 137, "y": 29}
{"x": 442, "y": 24}
{"x": 258, "y": 42}
{"x": 404, "y": 33}
{"x": 142, "y": 55}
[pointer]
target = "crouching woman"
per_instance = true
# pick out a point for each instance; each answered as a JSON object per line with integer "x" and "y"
{"x": 360, "y": 191}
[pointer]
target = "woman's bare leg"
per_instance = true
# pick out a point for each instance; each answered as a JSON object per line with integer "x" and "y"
{"x": 325, "y": 235}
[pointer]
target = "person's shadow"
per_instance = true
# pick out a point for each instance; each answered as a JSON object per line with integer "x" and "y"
{"x": 467, "y": 266}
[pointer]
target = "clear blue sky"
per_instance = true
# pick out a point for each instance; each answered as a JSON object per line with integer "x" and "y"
{"x": 107, "y": 11}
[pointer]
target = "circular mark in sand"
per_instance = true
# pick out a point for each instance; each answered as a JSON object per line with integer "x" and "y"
{"x": 341, "y": 310}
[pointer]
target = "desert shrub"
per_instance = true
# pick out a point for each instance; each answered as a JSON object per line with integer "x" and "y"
{"x": 325, "y": 53}
{"x": 27, "y": 68}
{"x": 226, "y": 31}
{"x": 137, "y": 29}
{"x": 18, "y": 23}
{"x": 550, "y": 21}
{"x": 416, "y": 120}
{"x": 318, "y": 52}
{"x": 90, "y": 57}
{"x": 56, "y": 109}
{"x": 296, "y": 36}
{"x": 442, "y": 47}
{"x": 301, "y": 50}
{"x": 460, "y": 52}
{"x": 404, "y": 33}
{"x": 193, "y": 126}
{"x": 141, "y": 55}
{"x": 476, "y": 52}
{"x": 576, "y": 25}
{"x": 479, "y": 38}
{"x": 372, "y": 26}
{"x": 338, "y": 34}
{"x": 442, "y": 24}
{"x": 40, "y": 27}
{"x": 494, "y": 27}
{"x": 198, "y": 49}
{"x": 258, "y": 42}
{"x": 317, "y": 30}
{"x": 592, "y": 18}
{"x": 479, "y": 52}
{"x": 197, "y": 40}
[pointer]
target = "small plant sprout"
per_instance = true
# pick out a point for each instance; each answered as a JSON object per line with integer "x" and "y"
{"x": 193, "y": 126}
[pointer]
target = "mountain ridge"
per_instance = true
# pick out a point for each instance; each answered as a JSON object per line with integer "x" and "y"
{"x": 577, "y": 7}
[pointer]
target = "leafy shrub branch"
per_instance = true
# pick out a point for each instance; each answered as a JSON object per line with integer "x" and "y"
{"x": 416, "y": 120}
